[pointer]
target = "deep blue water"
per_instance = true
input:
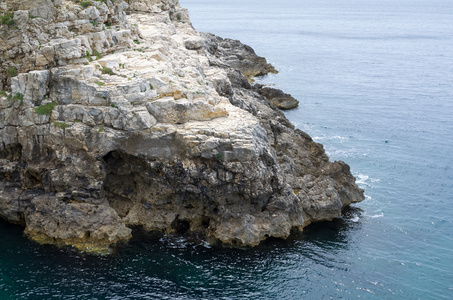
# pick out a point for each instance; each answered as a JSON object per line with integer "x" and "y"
{"x": 375, "y": 81}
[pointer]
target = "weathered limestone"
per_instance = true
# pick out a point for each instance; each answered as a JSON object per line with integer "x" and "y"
{"x": 112, "y": 121}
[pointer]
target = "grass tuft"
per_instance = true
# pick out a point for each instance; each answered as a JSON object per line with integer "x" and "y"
{"x": 12, "y": 72}
{"x": 97, "y": 54}
{"x": 46, "y": 109}
{"x": 106, "y": 70}
{"x": 61, "y": 125}
{"x": 85, "y": 4}
{"x": 7, "y": 19}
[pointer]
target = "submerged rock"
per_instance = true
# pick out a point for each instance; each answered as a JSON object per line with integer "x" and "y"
{"x": 120, "y": 115}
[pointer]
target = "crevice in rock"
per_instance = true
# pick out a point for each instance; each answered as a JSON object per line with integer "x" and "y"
{"x": 120, "y": 185}
{"x": 32, "y": 178}
{"x": 205, "y": 221}
{"x": 181, "y": 226}
{"x": 11, "y": 152}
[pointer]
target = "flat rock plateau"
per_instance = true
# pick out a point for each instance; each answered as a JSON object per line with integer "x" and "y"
{"x": 117, "y": 115}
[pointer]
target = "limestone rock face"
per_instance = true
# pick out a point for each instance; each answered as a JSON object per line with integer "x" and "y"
{"x": 121, "y": 115}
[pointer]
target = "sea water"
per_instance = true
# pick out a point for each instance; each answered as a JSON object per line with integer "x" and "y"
{"x": 375, "y": 84}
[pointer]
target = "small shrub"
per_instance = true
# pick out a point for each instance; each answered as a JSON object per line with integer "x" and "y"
{"x": 2, "y": 93}
{"x": 97, "y": 54}
{"x": 101, "y": 129}
{"x": 7, "y": 19}
{"x": 113, "y": 105}
{"x": 151, "y": 86}
{"x": 100, "y": 83}
{"x": 61, "y": 125}
{"x": 18, "y": 97}
{"x": 46, "y": 109}
{"x": 137, "y": 42}
{"x": 106, "y": 70}
{"x": 12, "y": 72}
{"x": 88, "y": 56}
{"x": 85, "y": 4}
{"x": 94, "y": 23}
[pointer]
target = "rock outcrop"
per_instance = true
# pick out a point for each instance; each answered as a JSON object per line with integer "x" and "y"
{"x": 277, "y": 97}
{"x": 117, "y": 115}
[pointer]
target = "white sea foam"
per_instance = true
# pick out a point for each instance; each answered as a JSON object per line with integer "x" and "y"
{"x": 330, "y": 138}
{"x": 361, "y": 179}
{"x": 355, "y": 219}
{"x": 341, "y": 153}
{"x": 377, "y": 216}
{"x": 364, "y": 180}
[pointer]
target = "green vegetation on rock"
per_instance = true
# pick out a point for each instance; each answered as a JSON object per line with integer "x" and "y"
{"x": 61, "y": 125}
{"x": 7, "y": 19}
{"x": 106, "y": 70}
{"x": 19, "y": 97}
{"x": 85, "y": 4}
{"x": 11, "y": 71}
{"x": 46, "y": 109}
{"x": 97, "y": 54}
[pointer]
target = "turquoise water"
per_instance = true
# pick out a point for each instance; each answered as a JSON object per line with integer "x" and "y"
{"x": 375, "y": 81}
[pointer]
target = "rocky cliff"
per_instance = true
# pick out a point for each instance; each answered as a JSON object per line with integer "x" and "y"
{"x": 118, "y": 114}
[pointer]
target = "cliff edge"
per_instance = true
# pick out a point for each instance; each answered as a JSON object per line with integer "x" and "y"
{"x": 118, "y": 114}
